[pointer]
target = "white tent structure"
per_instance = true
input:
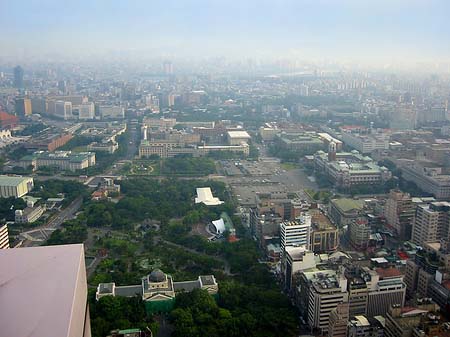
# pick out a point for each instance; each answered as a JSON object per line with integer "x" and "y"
{"x": 204, "y": 195}
{"x": 219, "y": 226}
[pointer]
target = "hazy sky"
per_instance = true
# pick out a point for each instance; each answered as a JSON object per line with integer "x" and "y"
{"x": 305, "y": 28}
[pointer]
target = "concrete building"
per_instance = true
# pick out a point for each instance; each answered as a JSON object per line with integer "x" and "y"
{"x": 431, "y": 222}
{"x": 347, "y": 169}
{"x": 337, "y": 326}
{"x": 399, "y": 213}
{"x": 324, "y": 238}
{"x": 296, "y": 259}
{"x": 45, "y": 290}
{"x": 429, "y": 179}
{"x": 372, "y": 292}
{"x": 109, "y": 147}
{"x": 386, "y": 288}
{"x": 296, "y": 232}
{"x": 63, "y": 160}
{"x": 360, "y": 231}
{"x": 4, "y": 237}
{"x": 48, "y": 141}
{"x": 111, "y": 112}
{"x": 344, "y": 211}
{"x": 237, "y": 137}
{"x": 29, "y": 214}
{"x": 63, "y": 109}
{"x": 86, "y": 111}
{"x": 408, "y": 321}
{"x": 158, "y": 290}
{"x": 304, "y": 142}
{"x": 7, "y": 121}
{"x": 365, "y": 141}
{"x": 18, "y": 77}
{"x": 23, "y": 107}
{"x": 327, "y": 291}
{"x": 15, "y": 186}
{"x": 361, "y": 326}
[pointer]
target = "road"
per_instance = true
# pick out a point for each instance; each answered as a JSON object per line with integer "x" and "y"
{"x": 56, "y": 221}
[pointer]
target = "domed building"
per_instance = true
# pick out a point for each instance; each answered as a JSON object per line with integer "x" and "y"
{"x": 157, "y": 286}
{"x": 158, "y": 290}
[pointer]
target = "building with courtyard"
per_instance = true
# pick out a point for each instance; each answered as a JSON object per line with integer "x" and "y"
{"x": 158, "y": 290}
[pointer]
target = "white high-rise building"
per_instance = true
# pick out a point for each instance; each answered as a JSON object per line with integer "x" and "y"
{"x": 87, "y": 111}
{"x": 296, "y": 233}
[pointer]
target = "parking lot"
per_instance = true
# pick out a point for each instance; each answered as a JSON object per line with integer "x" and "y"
{"x": 248, "y": 178}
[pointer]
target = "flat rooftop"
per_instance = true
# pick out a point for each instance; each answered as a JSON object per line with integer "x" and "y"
{"x": 43, "y": 291}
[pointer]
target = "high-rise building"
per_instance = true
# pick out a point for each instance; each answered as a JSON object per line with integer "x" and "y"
{"x": 337, "y": 327}
{"x": 86, "y": 111}
{"x": 359, "y": 233}
{"x": 168, "y": 68}
{"x": 431, "y": 223}
{"x": 4, "y": 238}
{"x": 23, "y": 106}
{"x": 327, "y": 291}
{"x": 296, "y": 232}
{"x": 18, "y": 77}
{"x": 45, "y": 290}
{"x": 296, "y": 259}
{"x": 399, "y": 213}
{"x": 63, "y": 109}
{"x": 371, "y": 292}
{"x": 386, "y": 288}
{"x": 39, "y": 105}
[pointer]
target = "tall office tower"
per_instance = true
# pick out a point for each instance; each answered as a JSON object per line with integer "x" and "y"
{"x": 45, "y": 291}
{"x": 39, "y": 105}
{"x": 327, "y": 291}
{"x": 62, "y": 87}
{"x": 18, "y": 77}
{"x": 86, "y": 111}
{"x": 168, "y": 68}
{"x": 399, "y": 213}
{"x": 297, "y": 259}
{"x": 337, "y": 327}
{"x": 431, "y": 223}
{"x": 23, "y": 107}
{"x": 304, "y": 90}
{"x": 372, "y": 292}
{"x": 386, "y": 288}
{"x": 63, "y": 109}
{"x": 4, "y": 239}
{"x": 296, "y": 233}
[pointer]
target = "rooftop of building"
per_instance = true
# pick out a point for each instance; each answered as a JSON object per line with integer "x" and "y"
{"x": 347, "y": 205}
{"x": 12, "y": 180}
{"x": 74, "y": 157}
{"x": 39, "y": 285}
{"x": 386, "y": 273}
{"x": 238, "y": 134}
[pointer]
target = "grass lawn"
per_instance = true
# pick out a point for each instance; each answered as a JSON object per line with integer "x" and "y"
{"x": 289, "y": 166}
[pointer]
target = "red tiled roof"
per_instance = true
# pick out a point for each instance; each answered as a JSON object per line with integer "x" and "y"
{"x": 388, "y": 272}
{"x": 6, "y": 116}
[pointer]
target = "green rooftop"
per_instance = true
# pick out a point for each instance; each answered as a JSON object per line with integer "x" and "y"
{"x": 11, "y": 181}
{"x": 346, "y": 204}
